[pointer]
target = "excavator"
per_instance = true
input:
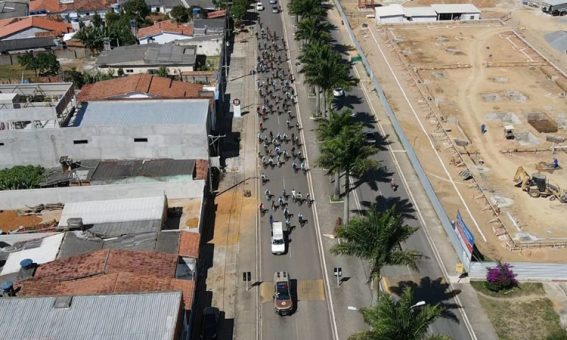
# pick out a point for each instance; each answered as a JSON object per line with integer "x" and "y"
{"x": 538, "y": 186}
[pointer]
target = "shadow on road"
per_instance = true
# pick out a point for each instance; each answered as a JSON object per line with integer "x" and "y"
{"x": 433, "y": 292}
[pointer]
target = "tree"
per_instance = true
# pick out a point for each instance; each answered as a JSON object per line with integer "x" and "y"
{"x": 179, "y": 14}
{"x": 377, "y": 237}
{"x": 239, "y": 9}
{"x": 21, "y": 177}
{"x": 306, "y": 8}
{"x": 348, "y": 152}
{"x": 42, "y": 64}
{"x": 136, "y": 9}
{"x": 312, "y": 29}
{"x": 91, "y": 37}
{"x": 392, "y": 319}
{"x": 329, "y": 129}
{"x": 97, "y": 20}
{"x": 312, "y": 68}
{"x": 162, "y": 71}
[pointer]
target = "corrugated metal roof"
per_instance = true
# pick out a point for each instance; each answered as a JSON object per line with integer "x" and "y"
{"x": 389, "y": 11}
{"x": 554, "y": 2}
{"x": 419, "y": 12}
{"x": 94, "y": 317}
{"x": 114, "y": 211}
{"x": 455, "y": 8}
{"x": 144, "y": 113}
{"x": 46, "y": 252}
{"x": 146, "y": 168}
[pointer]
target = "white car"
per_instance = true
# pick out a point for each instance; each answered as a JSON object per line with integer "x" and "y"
{"x": 259, "y": 6}
{"x": 273, "y": 2}
{"x": 338, "y": 92}
{"x": 275, "y": 9}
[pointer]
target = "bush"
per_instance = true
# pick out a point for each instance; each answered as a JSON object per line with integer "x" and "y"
{"x": 500, "y": 278}
{"x": 21, "y": 177}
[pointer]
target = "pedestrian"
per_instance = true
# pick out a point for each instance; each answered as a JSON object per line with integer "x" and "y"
{"x": 286, "y": 212}
{"x": 300, "y": 218}
{"x": 268, "y": 194}
{"x": 284, "y": 194}
{"x": 294, "y": 166}
{"x": 273, "y": 205}
{"x": 271, "y": 219}
{"x": 288, "y": 124}
{"x": 293, "y": 193}
{"x": 280, "y": 200}
{"x": 264, "y": 178}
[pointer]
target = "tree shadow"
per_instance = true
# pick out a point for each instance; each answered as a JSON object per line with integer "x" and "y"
{"x": 403, "y": 207}
{"x": 433, "y": 292}
{"x": 372, "y": 177}
{"x": 341, "y": 48}
{"x": 345, "y": 102}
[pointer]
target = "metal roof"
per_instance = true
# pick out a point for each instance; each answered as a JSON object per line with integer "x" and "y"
{"x": 455, "y": 8}
{"x": 210, "y": 23}
{"x": 115, "y": 211}
{"x": 144, "y": 113}
{"x": 26, "y": 44}
{"x": 13, "y": 9}
{"x": 419, "y": 12}
{"x": 94, "y": 317}
{"x": 144, "y": 168}
{"x": 43, "y": 251}
{"x": 389, "y": 11}
{"x": 554, "y": 2}
{"x": 148, "y": 55}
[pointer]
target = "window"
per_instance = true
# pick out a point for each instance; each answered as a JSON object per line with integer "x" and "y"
{"x": 80, "y": 141}
{"x": 140, "y": 140}
{"x": 129, "y": 70}
{"x": 1, "y": 144}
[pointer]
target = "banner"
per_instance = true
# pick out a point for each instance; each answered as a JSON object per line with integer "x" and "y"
{"x": 464, "y": 234}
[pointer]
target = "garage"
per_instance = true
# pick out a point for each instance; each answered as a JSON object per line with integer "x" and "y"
{"x": 456, "y": 11}
{"x": 389, "y": 14}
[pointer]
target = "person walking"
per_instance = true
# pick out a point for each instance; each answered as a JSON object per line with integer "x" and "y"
{"x": 293, "y": 193}
{"x": 271, "y": 219}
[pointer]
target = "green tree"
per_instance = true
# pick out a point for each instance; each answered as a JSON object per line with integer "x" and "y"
{"x": 91, "y": 37}
{"x": 162, "y": 72}
{"x": 350, "y": 153}
{"x": 311, "y": 56}
{"x": 377, "y": 237}
{"x": 21, "y": 177}
{"x": 307, "y": 8}
{"x": 239, "y": 9}
{"x": 97, "y": 20}
{"x": 392, "y": 319}
{"x": 42, "y": 64}
{"x": 312, "y": 29}
{"x": 329, "y": 129}
{"x": 136, "y": 9}
{"x": 179, "y": 14}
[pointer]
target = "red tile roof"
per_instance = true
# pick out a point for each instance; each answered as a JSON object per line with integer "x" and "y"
{"x": 55, "y": 27}
{"x": 216, "y": 14}
{"x": 189, "y": 244}
{"x": 153, "y": 86}
{"x": 54, "y": 6}
{"x": 166, "y": 26}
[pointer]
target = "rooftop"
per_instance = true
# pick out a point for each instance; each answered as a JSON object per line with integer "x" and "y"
{"x": 216, "y": 14}
{"x": 454, "y": 8}
{"x": 26, "y": 44}
{"x": 95, "y": 317}
{"x": 210, "y": 23}
{"x": 139, "y": 86}
{"x": 166, "y": 26}
{"x": 164, "y": 3}
{"x": 40, "y": 251}
{"x": 419, "y": 12}
{"x": 148, "y": 55}
{"x": 56, "y": 27}
{"x": 13, "y": 9}
{"x": 144, "y": 113}
{"x": 115, "y": 170}
{"x": 113, "y": 211}
{"x": 189, "y": 244}
{"x": 554, "y": 2}
{"x": 57, "y": 6}
{"x": 390, "y": 10}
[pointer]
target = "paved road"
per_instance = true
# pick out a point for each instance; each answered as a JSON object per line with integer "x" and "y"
{"x": 311, "y": 319}
{"x": 377, "y": 189}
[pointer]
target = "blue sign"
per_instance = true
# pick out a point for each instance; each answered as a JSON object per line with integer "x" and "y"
{"x": 464, "y": 234}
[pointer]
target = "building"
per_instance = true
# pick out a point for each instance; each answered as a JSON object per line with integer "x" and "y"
{"x": 209, "y": 26}
{"x": 162, "y": 6}
{"x": 148, "y": 58}
{"x": 117, "y": 316}
{"x": 207, "y": 45}
{"x": 13, "y": 9}
{"x": 42, "y": 248}
{"x": 72, "y": 10}
{"x": 163, "y": 32}
{"x": 390, "y": 14}
{"x": 207, "y": 5}
{"x": 420, "y": 14}
{"x": 141, "y": 86}
{"x": 554, "y": 7}
{"x": 456, "y": 12}
{"x": 216, "y": 14}
{"x": 31, "y": 27}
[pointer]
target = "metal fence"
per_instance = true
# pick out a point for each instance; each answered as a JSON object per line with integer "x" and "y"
{"x": 439, "y": 210}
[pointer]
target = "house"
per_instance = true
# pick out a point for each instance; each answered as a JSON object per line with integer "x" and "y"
{"x": 420, "y": 14}
{"x": 456, "y": 11}
{"x": 31, "y": 27}
{"x": 25, "y": 45}
{"x": 207, "y": 45}
{"x": 390, "y": 14}
{"x": 148, "y": 58}
{"x": 118, "y": 316}
{"x": 141, "y": 86}
{"x": 72, "y": 10}
{"x": 209, "y": 26}
{"x": 13, "y": 9}
{"x": 554, "y": 7}
{"x": 207, "y": 5}
{"x": 163, "y": 32}
{"x": 162, "y": 6}
{"x": 216, "y": 14}
{"x": 41, "y": 248}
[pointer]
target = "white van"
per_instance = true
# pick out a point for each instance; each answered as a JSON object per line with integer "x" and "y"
{"x": 278, "y": 238}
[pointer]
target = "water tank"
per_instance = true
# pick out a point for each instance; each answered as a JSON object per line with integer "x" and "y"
{"x": 540, "y": 181}
{"x": 26, "y": 263}
{"x": 7, "y": 288}
{"x": 196, "y": 13}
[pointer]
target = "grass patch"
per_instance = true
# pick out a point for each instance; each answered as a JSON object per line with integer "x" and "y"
{"x": 517, "y": 319}
{"x": 14, "y": 72}
{"x": 523, "y": 289}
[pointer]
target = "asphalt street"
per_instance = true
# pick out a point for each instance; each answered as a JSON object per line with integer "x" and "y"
{"x": 310, "y": 319}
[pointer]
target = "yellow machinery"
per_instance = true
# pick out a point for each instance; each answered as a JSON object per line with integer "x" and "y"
{"x": 537, "y": 186}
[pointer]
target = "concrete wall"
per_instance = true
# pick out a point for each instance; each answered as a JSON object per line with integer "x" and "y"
{"x": 209, "y": 47}
{"x": 164, "y": 38}
{"x": 17, "y": 199}
{"x": 172, "y": 70}
{"x": 390, "y": 19}
{"x": 45, "y": 146}
{"x": 423, "y": 19}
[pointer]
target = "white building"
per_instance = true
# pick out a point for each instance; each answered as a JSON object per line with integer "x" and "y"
{"x": 389, "y": 14}
{"x": 456, "y": 11}
{"x": 420, "y": 14}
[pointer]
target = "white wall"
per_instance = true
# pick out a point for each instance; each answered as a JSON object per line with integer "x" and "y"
{"x": 390, "y": 19}
{"x": 423, "y": 19}
{"x": 172, "y": 70}
{"x": 164, "y": 38}
{"x": 209, "y": 47}
{"x": 470, "y": 16}
{"x": 17, "y": 199}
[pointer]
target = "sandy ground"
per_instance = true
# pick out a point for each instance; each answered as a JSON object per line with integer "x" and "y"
{"x": 191, "y": 212}
{"x": 478, "y": 74}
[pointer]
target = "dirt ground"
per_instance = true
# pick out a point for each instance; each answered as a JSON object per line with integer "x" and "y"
{"x": 481, "y": 73}
{"x": 10, "y": 220}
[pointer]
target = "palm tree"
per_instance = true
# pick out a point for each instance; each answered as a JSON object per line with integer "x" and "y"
{"x": 330, "y": 128}
{"x": 306, "y": 8}
{"x": 312, "y": 29}
{"x": 337, "y": 74}
{"x": 377, "y": 237}
{"x": 392, "y": 319}
{"x": 313, "y": 69}
{"x": 348, "y": 152}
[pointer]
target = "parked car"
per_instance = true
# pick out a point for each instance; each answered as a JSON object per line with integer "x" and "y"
{"x": 338, "y": 92}
{"x": 273, "y": 2}
{"x": 210, "y": 323}
{"x": 259, "y": 6}
{"x": 275, "y": 9}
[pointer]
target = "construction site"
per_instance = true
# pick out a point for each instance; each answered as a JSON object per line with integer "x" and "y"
{"x": 486, "y": 113}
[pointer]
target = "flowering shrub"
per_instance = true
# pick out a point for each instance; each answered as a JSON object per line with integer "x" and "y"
{"x": 500, "y": 277}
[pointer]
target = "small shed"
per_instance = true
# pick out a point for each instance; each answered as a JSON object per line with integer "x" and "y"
{"x": 389, "y": 14}
{"x": 420, "y": 14}
{"x": 554, "y": 7}
{"x": 456, "y": 11}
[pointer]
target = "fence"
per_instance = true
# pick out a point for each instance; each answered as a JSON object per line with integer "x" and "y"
{"x": 439, "y": 210}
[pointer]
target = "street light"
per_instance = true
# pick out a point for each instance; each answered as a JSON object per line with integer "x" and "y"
{"x": 418, "y": 304}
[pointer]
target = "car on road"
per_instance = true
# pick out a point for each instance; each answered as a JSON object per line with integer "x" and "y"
{"x": 273, "y": 2}
{"x": 259, "y": 6}
{"x": 338, "y": 92}
{"x": 278, "y": 238}
{"x": 283, "y": 304}
{"x": 370, "y": 137}
{"x": 210, "y": 323}
{"x": 275, "y": 9}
